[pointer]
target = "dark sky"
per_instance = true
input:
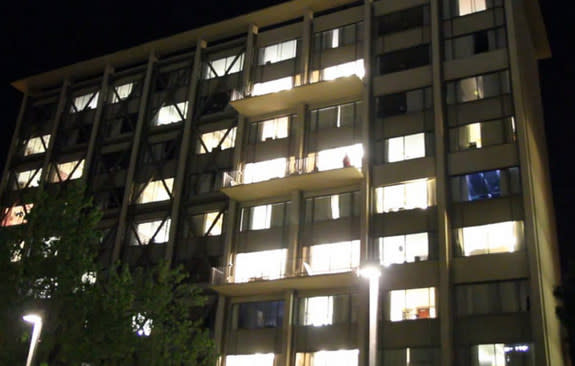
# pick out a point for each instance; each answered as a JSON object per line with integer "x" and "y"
{"x": 38, "y": 36}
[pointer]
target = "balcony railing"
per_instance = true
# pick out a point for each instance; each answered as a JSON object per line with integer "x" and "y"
{"x": 304, "y": 267}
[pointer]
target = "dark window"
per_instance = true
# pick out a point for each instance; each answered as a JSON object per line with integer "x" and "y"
{"x": 478, "y": 87}
{"x": 332, "y": 207}
{"x": 402, "y": 20}
{"x": 486, "y": 185}
{"x": 475, "y": 43}
{"x": 491, "y": 298}
{"x": 254, "y": 315}
{"x": 406, "y": 102}
{"x": 404, "y": 59}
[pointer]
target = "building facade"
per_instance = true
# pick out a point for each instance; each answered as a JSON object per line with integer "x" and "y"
{"x": 276, "y": 154}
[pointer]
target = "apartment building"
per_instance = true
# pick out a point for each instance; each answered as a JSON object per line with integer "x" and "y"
{"x": 276, "y": 154}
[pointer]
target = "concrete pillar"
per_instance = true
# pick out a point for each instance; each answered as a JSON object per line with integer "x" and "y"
{"x": 104, "y": 93}
{"x": 295, "y": 214}
{"x": 179, "y": 179}
{"x": 138, "y": 133}
{"x": 288, "y": 327}
{"x": 12, "y": 150}
{"x": 231, "y": 220}
{"x": 306, "y": 46}
{"x": 443, "y": 233}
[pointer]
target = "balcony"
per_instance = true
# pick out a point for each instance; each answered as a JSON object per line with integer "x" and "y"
{"x": 231, "y": 281}
{"x": 295, "y": 174}
{"x": 315, "y": 93}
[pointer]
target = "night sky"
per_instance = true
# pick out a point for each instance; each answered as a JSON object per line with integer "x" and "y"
{"x": 39, "y": 36}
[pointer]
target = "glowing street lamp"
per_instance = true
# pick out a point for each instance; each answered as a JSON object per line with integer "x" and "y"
{"x": 372, "y": 273}
{"x": 36, "y": 320}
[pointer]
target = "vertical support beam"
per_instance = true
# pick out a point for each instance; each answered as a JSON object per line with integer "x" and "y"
{"x": 306, "y": 46}
{"x": 288, "y": 327}
{"x": 230, "y": 230}
{"x": 121, "y": 233}
{"x": 88, "y": 165}
{"x": 220, "y": 326}
{"x": 12, "y": 150}
{"x": 443, "y": 232}
{"x": 179, "y": 180}
{"x": 367, "y": 253}
{"x": 299, "y": 131}
{"x": 293, "y": 236}
{"x": 250, "y": 59}
{"x": 53, "y": 134}
{"x": 240, "y": 132}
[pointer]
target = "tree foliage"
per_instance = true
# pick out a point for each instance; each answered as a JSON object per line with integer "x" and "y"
{"x": 101, "y": 316}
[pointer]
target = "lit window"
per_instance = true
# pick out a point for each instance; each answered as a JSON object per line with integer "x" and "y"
{"x": 412, "y": 356}
{"x": 470, "y": 136}
{"x": 36, "y": 145}
{"x": 273, "y": 129}
{"x": 157, "y": 232}
{"x": 157, "y": 190}
{"x": 404, "y": 248}
{"x": 317, "y": 311}
{"x": 406, "y": 147}
{"x": 343, "y": 115}
{"x": 213, "y": 223}
{"x": 501, "y": 237}
{"x": 67, "y": 171}
{"x": 16, "y": 215}
{"x": 278, "y": 52}
{"x": 470, "y": 6}
{"x": 332, "y": 207}
{"x": 500, "y": 354}
{"x": 332, "y": 257}
{"x": 171, "y": 114}
{"x": 221, "y": 139}
{"x": 481, "y": 185}
{"x": 272, "y": 86}
{"x": 328, "y": 358}
{"x": 224, "y": 66}
{"x": 122, "y": 92}
{"x": 264, "y": 216}
{"x": 28, "y": 178}
{"x": 405, "y": 196}
{"x": 418, "y": 303}
{"x": 142, "y": 325}
{"x": 258, "y": 359}
{"x": 343, "y": 70}
{"x": 256, "y": 315}
{"x": 262, "y": 265}
{"x": 85, "y": 102}
{"x": 340, "y": 157}
{"x": 478, "y": 87}
{"x": 264, "y": 170}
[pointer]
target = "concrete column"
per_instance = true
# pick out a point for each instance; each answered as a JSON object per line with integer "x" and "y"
{"x": 12, "y": 150}
{"x": 179, "y": 179}
{"x": 53, "y": 134}
{"x": 220, "y": 326}
{"x": 443, "y": 233}
{"x": 138, "y": 133}
{"x": 231, "y": 220}
{"x": 306, "y": 46}
{"x": 250, "y": 59}
{"x": 104, "y": 89}
{"x": 299, "y": 132}
{"x": 295, "y": 215}
{"x": 288, "y": 327}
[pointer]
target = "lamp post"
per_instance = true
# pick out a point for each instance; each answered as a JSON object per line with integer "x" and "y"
{"x": 36, "y": 321}
{"x": 372, "y": 273}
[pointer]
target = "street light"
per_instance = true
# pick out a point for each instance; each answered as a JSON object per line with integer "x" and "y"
{"x": 36, "y": 320}
{"x": 372, "y": 272}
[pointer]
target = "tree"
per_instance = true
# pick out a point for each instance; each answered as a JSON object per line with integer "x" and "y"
{"x": 101, "y": 316}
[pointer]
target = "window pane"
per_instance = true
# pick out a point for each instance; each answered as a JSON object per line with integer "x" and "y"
{"x": 256, "y": 315}
{"x": 156, "y": 191}
{"x": 267, "y": 264}
{"x": 333, "y": 257}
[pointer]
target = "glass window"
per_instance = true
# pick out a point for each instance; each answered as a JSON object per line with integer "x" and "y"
{"x": 36, "y": 145}
{"x": 332, "y": 207}
{"x": 262, "y": 265}
{"x": 491, "y": 298}
{"x": 85, "y": 102}
{"x": 486, "y": 185}
{"x": 152, "y": 232}
{"x": 482, "y": 134}
{"x": 475, "y": 43}
{"x": 156, "y": 190}
{"x": 221, "y": 139}
{"x": 343, "y": 115}
{"x": 405, "y": 196}
{"x": 404, "y": 59}
{"x": 331, "y": 258}
{"x": 404, "y": 248}
{"x": 406, "y": 102}
{"x": 264, "y": 170}
{"x": 403, "y": 20}
{"x": 499, "y": 354}
{"x": 171, "y": 114}
{"x": 28, "y": 178}
{"x": 213, "y": 222}
{"x": 501, "y": 237}
{"x": 278, "y": 52}
{"x": 465, "y": 7}
{"x": 406, "y": 147}
{"x": 67, "y": 171}
{"x": 318, "y": 311}
{"x": 478, "y": 87}
{"x": 122, "y": 92}
{"x": 412, "y": 356}
{"x": 264, "y": 216}
{"x": 337, "y": 37}
{"x": 272, "y": 129}
{"x": 272, "y": 86}
{"x": 339, "y": 157}
{"x": 16, "y": 214}
{"x": 258, "y": 359}
{"x": 328, "y": 358}
{"x": 417, "y": 303}
{"x": 342, "y": 70}
{"x": 255, "y": 315}
{"x": 224, "y": 66}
